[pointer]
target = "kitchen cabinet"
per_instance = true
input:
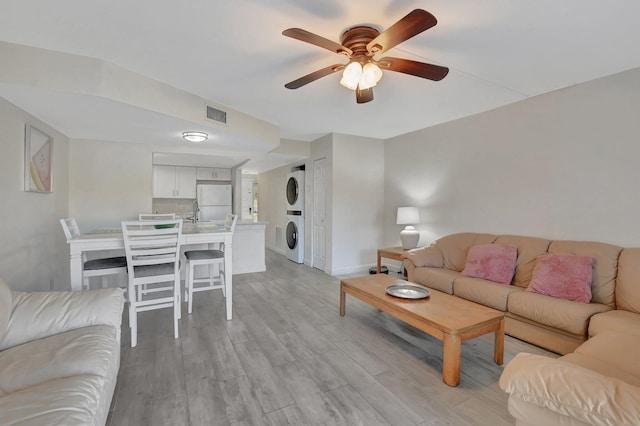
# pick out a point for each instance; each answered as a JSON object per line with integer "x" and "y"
{"x": 174, "y": 182}
{"x": 213, "y": 173}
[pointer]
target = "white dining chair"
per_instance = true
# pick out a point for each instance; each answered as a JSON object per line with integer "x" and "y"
{"x": 156, "y": 216}
{"x": 102, "y": 267}
{"x": 153, "y": 260}
{"x": 211, "y": 258}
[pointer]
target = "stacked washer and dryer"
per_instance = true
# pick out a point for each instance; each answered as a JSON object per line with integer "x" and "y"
{"x": 294, "y": 231}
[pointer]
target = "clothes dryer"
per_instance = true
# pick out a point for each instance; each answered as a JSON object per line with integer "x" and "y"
{"x": 295, "y": 191}
{"x": 294, "y": 236}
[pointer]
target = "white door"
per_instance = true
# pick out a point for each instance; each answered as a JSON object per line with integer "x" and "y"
{"x": 319, "y": 213}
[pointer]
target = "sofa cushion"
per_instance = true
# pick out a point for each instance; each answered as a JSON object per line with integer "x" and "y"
{"x": 40, "y": 314}
{"x": 84, "y": 351}
{"x": 614, "y": 348}
{"x": 605, "y": 268}
{"x": 584, "y": 396}
{"x": 436, "y": 278}
{"x": 529, "y": 248}
{"x": 564, "y": 276}
{"x": 628, "y": 281}
{"x": 615, "y": 320}
{"x": 455, "y": 247}
{"x": 487, "y": 293}
{"x": 566, "y": 315}
{"x": 608, "y": 369}
{"x": 69, "y": 401}
{"x": 6, "y": 302}
{"x": 493, "y": 262}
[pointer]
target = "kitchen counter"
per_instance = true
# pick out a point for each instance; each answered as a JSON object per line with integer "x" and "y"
{"x": 248, "y": 246}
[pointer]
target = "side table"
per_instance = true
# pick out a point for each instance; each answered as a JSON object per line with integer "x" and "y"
{"x": 394, "y": 253}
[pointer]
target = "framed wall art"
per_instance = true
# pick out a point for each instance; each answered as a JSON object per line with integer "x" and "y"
{"x": 38, "y": 158}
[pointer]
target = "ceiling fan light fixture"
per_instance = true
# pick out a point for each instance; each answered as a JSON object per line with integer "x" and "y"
{"x": 195, "y": 136}
{"x": 371, "y": 75}
{"x": 351, "y": 75}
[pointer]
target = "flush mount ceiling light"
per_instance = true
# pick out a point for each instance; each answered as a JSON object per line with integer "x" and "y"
{"x": 195, "y": 136}
{"x": 360, "y": 44}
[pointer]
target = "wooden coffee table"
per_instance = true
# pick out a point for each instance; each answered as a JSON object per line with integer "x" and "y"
{"x": 451, "y": 319}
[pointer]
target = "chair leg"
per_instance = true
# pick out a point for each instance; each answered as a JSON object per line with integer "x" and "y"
{"x": 104, "y": 282}
{"x": 190, "y": 287}
{"x": 186, "y": 283}
{"x": 176, "y": 306}
{"x": 85, "y": 283}
{"x": 133, "y": 323}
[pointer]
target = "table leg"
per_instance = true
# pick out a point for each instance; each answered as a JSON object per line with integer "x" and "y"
{"x": 379, "y": 263}
{"x": 342, "y": 300}
{"x": 451, "y": 359}
{"x": 75, "y": 271}
{"x": 498, "y": 346}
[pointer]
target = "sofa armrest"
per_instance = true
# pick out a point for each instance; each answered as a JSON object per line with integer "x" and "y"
{"x": 430, "y": 256}
{"x": 39, "y": 314}
{"x": 571, "y": 390}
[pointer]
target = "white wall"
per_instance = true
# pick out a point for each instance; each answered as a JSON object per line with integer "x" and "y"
{"x": 33, "y": 252}
{"x": 563, "y": 165}
{"x": 109, "y": 182}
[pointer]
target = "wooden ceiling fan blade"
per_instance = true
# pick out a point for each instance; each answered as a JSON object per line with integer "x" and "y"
{"x": 316, "y": 40}
{"x": 414, "y": 23}
{"x": 419, "y": 69}
{"x": 364, "y": 96}
{"x": 313, "y": 76}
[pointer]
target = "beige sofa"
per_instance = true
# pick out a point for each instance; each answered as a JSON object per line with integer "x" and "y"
{"x": 597, "y": 381}
{"x": 59, "y": 356}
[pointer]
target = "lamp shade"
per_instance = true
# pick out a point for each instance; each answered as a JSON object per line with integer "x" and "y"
{"x": 351, "y": 75}
{"x": 408, "y": 216}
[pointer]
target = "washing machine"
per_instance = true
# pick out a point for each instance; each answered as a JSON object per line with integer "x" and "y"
{"x": 294, "y": 236}
{"x": 295, "y": 191}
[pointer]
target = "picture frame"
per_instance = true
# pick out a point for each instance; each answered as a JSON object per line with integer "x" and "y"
{"x": 38, "y": 160}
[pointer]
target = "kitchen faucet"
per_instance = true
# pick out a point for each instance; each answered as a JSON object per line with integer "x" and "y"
{"x": 196, "y": 209}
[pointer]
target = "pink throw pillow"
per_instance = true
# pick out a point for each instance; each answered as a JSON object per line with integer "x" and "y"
{"x": 493, "y": 262}
{"x": 565, "y": 276}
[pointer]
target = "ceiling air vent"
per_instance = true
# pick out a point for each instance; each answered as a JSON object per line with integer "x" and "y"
{"x": 216, "y": 115}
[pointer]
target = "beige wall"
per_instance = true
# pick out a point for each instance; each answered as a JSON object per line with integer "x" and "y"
{"x": 354, "y": 202}
{"x": 272, "y": 206}
{"x": 358, "y": 203}
{"x": 33, "y": 251}
{"x": 563, "y": 165}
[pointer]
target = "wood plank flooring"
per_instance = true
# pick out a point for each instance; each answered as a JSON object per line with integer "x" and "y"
{"x": 288, "y": 358}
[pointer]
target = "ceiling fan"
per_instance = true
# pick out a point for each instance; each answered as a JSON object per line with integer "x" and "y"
{"x": 360, "y": 44}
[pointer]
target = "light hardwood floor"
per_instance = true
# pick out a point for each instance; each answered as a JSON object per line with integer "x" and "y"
{"x": 288, "y": 358}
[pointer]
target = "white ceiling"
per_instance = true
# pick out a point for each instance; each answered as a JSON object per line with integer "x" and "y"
{"x": 233, "y": 53}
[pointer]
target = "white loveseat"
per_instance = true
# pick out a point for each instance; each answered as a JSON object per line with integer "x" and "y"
{"x": 59, "y": 356}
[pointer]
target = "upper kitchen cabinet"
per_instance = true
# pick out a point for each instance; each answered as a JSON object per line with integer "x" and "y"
{"x": 213, "y": 173}
{"x": 174, "y": 182}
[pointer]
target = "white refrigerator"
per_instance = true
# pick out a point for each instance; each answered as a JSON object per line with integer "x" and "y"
{"x": 214, "y": 201}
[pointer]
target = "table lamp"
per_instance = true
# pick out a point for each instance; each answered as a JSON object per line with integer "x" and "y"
{"x": 409, "y": 236}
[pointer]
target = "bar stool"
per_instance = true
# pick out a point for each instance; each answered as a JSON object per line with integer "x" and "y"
{"x": 153, "y": 261}
{"x": 207, "y": 257}
{"x": 95, "y": 267}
